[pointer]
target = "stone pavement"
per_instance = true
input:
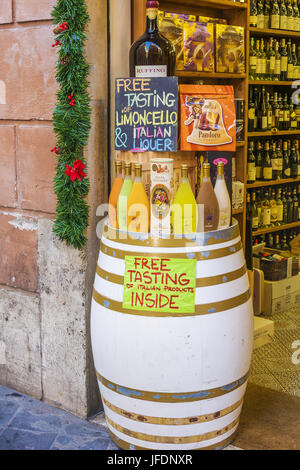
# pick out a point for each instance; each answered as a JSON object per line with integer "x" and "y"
{"x": 29, "y": 424}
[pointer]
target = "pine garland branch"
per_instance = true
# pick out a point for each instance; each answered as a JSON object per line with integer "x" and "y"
{"x": 71, "y": 122}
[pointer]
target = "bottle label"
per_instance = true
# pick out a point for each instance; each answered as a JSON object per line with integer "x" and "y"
{"x": 264, "y": 122}
{"x": 251, "y": 172}
{"x": 268, "y": 173}
{"x": 272, "y": 63}
{"x": 254, "y": 222}
{"x": 277, "y": 164}
{"x": 283, "y": 63}
{"x": 287, "y": 172}
{"x": 275, "y": 21}
{"x": 298, "y": 171}
{"x": 277, "y": 66}
{"x": 266, "y": 217}
{"x": 286, "y": 115}
{"x": 251, "y": 113}
{"x": 270, "y": 118}
{"x": 258, "y": 66}
{"x": 253, "y": 20}
{"x": 290, "y": 23}
{"x": 290, "y": 73}
{"x": 274, "y": 213}
{"x": 260, "y": 21}
{"x": 142, "y": 71}
{"x": 283, "y": 22}
{"x": 280, "y": 213}
{"x": 258, "y": 172}
{"x": 263, "y": 66}
{"x": 253, "y": 61}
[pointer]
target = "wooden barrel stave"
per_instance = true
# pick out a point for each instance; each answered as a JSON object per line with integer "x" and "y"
{"x": 155, "y": 384}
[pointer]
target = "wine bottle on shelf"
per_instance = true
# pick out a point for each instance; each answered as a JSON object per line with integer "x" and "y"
{"x": 248, "y": 245}
{"x": 251, "y": 112}
{"x": 286, "y": 169}
{"x": 280, "y": 105}
{"x": 138, "y": 207}
{"x": 290, "y": 16}
{"x": 294, "y": 162}
{"x": 272, "y": 59}
{"x": 283, "y": 15}
{"x": 267, "y": 10}
{"x": 296, "y": 15}
{"x": 114, "y": 195}
{"x": 267, "y": 163}
{"x": 253, "y": 14}
{"x": 251, "y": 170}
{"x": 223, "y": 198}
{"x": 293, "y": 115}
{"x": 254, "y": 212}
{"x": 284, "y": 60}
{"x": 273, "y": 205}
{"x": 259, "y": 161}
{"x": 266, "y": 210}
{"x": 123, "y": 198}
{"x": 279, "y": 207}
{"x": 284, "y": 244}
{"x": 298, "y": 156}
{"x": 286, "y": 113}
{"x": 184, "y": 213}
{"x": 152, "y": 55}
{"x": 284, "y": 206}
{"x": 258, "y": 205}
{"x": 263, "y": 115}
{"x": 253, "y": 61}
{"x": 263, "y": 59}
{"x": 290, "y": 65}
{"x": 275, "y": 15}
{"x": 208, "y": 206}
{"x": 294, "y": 61}
{"x": 276, "y": 111}
{"x": 298, "y": 202}
{"x": 258, "y": 61}
{"x": 269, "y": 113}
{"x": 289, "y": 206}
{"x": 277, "y": 61}
{"x": 295, "y": 205}
{"x": 260, "y": 14}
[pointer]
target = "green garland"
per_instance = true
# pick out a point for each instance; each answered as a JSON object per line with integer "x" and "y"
{"x": 71, "y": 121}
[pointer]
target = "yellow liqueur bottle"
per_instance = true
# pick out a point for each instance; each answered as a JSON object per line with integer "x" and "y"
{"x": 114, "y": 195}
{"x": 138, "y": 207}
{"x": 123, "y": 198}
{"x": 184, "y": 215}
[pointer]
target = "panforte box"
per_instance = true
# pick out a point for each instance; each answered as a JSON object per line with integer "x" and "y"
{"x": 207, "y": 118}
{"x": 198, "y": 47}
{"x": 230, "y": 49}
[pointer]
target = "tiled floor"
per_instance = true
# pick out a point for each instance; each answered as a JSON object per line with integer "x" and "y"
{"x": 272, "y": 364}
{"x": 28, "y": 424}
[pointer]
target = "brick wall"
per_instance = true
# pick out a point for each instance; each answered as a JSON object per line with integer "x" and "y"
{"x": 45, "y": 286}
{"x": 27, "y": 71}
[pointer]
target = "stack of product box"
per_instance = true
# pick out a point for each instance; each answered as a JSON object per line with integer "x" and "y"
{"x": 204, "y": 44}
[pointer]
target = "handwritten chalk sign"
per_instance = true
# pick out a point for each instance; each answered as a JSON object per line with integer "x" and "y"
{"x": 159, "y": 284}
{"x": 146, "y": 114}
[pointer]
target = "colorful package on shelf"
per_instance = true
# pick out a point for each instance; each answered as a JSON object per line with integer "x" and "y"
{"x": 207, "y": 118}
{"x": 171, "y": 26}
{"x": 230, "y": 49}
{"x": 207, "y": 19}
{"x": 198, "y": 46}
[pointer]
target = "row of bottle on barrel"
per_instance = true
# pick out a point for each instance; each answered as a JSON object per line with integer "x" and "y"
{"x": 163, "y": 213}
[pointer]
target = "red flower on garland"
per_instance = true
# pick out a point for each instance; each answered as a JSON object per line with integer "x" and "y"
{"x": 76, "y": 171}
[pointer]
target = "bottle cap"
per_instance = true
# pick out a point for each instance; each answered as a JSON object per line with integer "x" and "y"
{"x": 118, "y": 165}
{"x": 152, "y": 4}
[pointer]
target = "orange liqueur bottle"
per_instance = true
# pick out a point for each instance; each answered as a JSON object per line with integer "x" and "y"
{"x": 138, "y": 206}
{"x": 114, "y": 195}
{"x": 208, "y": 206}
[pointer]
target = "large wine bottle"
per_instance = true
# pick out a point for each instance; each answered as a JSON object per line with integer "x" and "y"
{"x": 152, "y": 55}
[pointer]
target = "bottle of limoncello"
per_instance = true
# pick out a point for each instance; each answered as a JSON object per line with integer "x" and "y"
{"x": 184, "y": 214}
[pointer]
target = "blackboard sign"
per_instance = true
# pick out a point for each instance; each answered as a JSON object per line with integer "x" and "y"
{"x": 146, "y": 114}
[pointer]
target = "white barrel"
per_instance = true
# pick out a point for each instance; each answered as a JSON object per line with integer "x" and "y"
{"x": 172, "y": 381}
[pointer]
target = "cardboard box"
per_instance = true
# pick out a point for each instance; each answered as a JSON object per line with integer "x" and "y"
{"x": 263, "y": 332}
{"x": 281, "y": 295}
{"x": 292, "y": 261}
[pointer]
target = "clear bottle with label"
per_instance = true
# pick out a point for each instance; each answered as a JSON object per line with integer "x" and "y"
{"x": 267, "y": 163}
{"x": 123, "y": 198}
{"x": 208, "y": 206}
{"x": 253, "y": 61}
{"x": 253, "y": 14}
{"x": 260, "y": 14}
{"x": 152, "y": 55}
{"x": 223, "y": 198}
{"x": 275, "y": 15}
{"x": 286, "y": 168}
{"x": 273, "y": 204}
{"x": 254, "y": 212}
{"x": 283, "y": 15}
{"x": 295, "y": 205}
